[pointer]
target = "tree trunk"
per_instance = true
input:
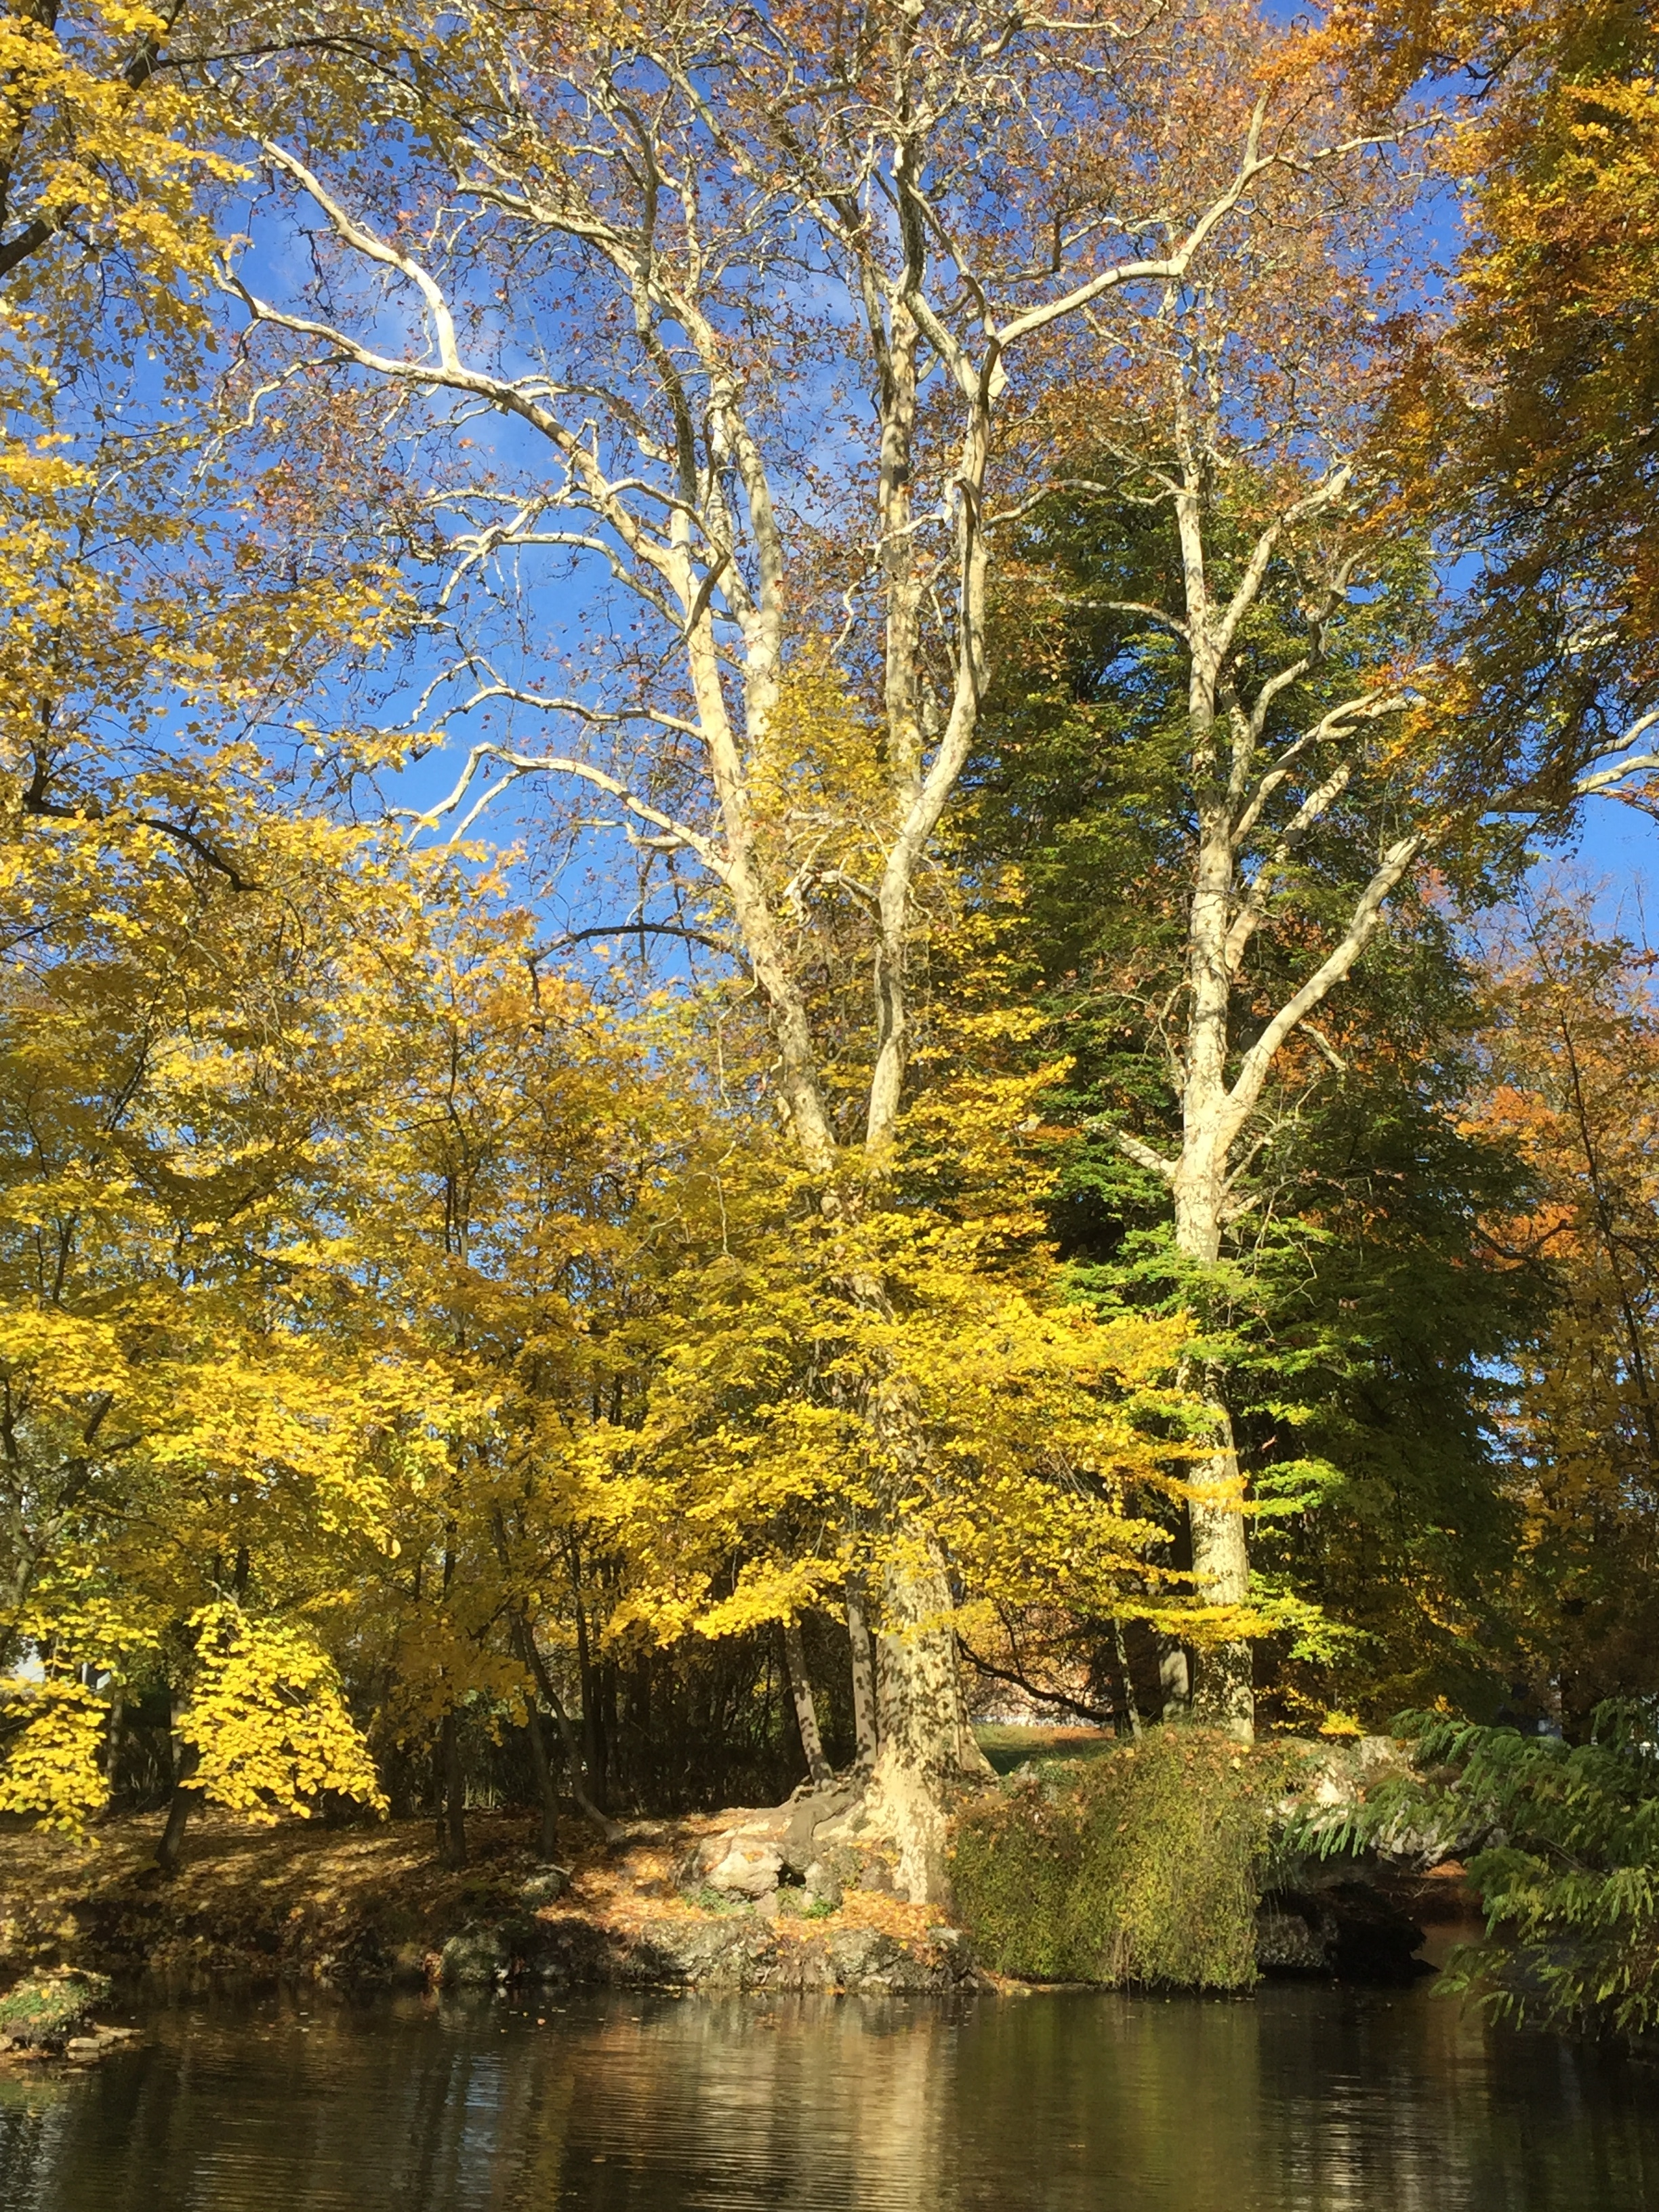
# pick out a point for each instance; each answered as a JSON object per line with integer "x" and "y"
{"x": 180, "y": 1806}
{"x": 593, "y": 1736}
{"x": 547, "y": 1835}
{"x": 926, "y": 1749}
{"x": 806, "y": 1712}
{"x": 531, "y": 1651}
{"x": 1224, "y": 1694}
{"x": 1174, "y": 1680}
{"x": 451, "y": 1794}
{"x": 1131, "y": 1708}
{"x": 118, "y": 1709}
{"x": 864, "y": 1672}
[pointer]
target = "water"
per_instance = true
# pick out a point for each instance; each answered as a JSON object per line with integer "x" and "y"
{"x": 1307, "y": 2100}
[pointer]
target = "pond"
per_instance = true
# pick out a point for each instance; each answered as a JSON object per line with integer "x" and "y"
{"x": 1304, "y": 2099}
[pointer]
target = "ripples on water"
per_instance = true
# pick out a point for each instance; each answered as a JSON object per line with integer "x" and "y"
{"x": 1305, "y": 2101}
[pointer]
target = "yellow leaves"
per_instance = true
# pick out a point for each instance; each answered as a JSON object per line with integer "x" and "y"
{"x": 816, "y": 786}
{"x": 269, "y": 1719}
{"x": 828, "y": 1388}
{"x": 51, "y": 1735}
{"x": 769, "y": 1591}
{"x": 87, "y": 144}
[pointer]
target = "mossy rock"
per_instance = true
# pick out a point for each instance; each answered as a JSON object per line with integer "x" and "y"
{"x": 43, "y": 2014}
{"x": 1143, "y": 1866}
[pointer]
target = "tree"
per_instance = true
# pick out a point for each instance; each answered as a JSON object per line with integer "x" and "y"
{"x": 1255, "y": 464}
{"x": 1569, "y": 1079}
{"x": 711, "y": 232}
{"x": 182, "y": 1458}
{"x": 1359, "y": 1322}
{"x": 675, "y": 1417}
{"x": 1530, "y": 409}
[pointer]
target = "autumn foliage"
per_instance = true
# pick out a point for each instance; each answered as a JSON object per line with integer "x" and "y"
{"x": 752, "y": 790}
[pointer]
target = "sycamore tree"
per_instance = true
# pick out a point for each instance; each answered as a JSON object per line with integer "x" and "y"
{"x": 1353, "y": 1323}
{"x": 743, "y": 316}
{"x": 1250, "y": 531}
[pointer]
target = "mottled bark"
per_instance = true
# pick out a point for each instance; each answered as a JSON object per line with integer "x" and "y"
{"x": 864, "y": 1671}
{"x": 927, "y": 1750}
{"x": 806, "y": 1712}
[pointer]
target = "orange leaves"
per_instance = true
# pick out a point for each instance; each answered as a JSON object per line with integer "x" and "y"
{"x": 1574, "y": 1084}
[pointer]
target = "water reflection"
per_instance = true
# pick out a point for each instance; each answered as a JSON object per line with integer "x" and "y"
{"x": 1306, "y": 2100}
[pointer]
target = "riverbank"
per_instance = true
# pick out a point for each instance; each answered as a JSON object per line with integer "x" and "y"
{"x": 368, "y": 1905}
{"x": 793, "y": 1898}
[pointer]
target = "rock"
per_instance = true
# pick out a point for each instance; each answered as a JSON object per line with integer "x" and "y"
{"x": 478, "y": 1954}
{"x": 769, "y": 1905}
{"x": 1335, "y": 1779}
{"x": 877, "y": 1874}
{"x": 812, "y": 1811}
{"x": 83, "y": 2047}
{"x": 751, "y": 1869}
{"x": 493, "y": 1951}
{"x": 1288, "y": 1942}
{"x": 570, "y": 1952}
{"x": 739, "y": 1953}
{"x": 822, "y": 1884}
{"x": 543, "y": 1888}
{"x": 861, "y": 1954}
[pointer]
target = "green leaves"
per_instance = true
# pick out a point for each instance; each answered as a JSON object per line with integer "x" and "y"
{"x": 1569, "y": 1878}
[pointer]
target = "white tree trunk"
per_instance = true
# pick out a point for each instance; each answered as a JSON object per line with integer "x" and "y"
{"x": 926, "y": 1749}
{"x": 1222, "y": 1693}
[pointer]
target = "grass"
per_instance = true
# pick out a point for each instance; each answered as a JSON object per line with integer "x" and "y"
{"x": 1007, "y": 1746}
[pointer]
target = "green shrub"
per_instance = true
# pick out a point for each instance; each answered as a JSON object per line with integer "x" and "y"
{"x": 1144, "y": 1866}
{"x": 45, "y": 2012}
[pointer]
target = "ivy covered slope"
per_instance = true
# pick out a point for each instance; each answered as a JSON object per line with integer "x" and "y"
{"x": 1143, "y": 1867}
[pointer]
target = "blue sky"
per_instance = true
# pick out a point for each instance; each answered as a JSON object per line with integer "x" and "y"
{"x": 1617, "y": 857}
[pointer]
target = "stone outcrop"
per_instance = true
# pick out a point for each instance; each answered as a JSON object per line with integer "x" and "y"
{"x": 818, "y": 1842}
{"x": 1338, "y": 1781}
{"x": 755, "y": 1902}
{"x": 1356, "y": 1910}
{"x": 1341, "y": 1927}
{"x": 743, "y": 1952}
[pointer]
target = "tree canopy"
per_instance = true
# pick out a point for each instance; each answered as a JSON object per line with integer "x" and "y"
{"x": 770, "y": 791}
